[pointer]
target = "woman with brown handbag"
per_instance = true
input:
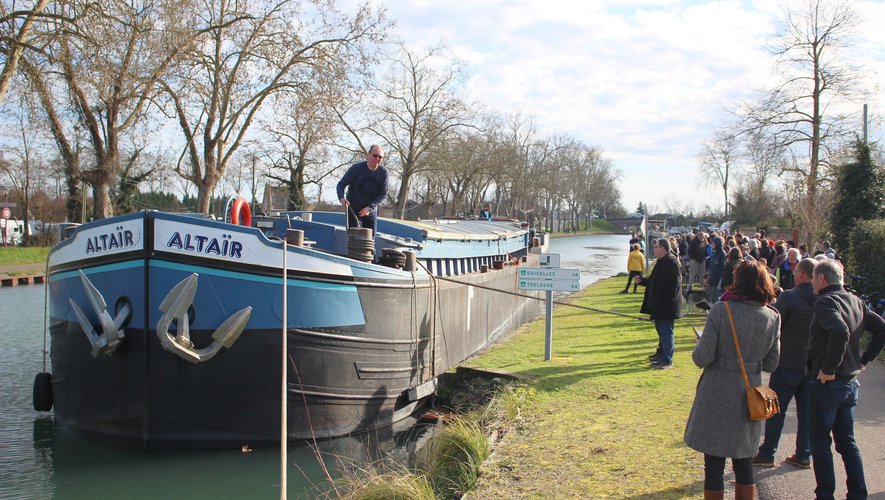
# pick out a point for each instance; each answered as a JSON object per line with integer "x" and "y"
{"x": 719, "y": 425}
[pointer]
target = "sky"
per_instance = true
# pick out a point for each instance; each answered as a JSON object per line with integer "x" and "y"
{"x": 647, "y": 81}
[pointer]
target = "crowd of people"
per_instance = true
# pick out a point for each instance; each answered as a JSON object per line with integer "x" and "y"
{"x": 791, "y": 316}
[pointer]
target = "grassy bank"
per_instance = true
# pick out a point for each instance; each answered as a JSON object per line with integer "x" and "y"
{"x": 598, "y": 227}
{"x": 23, "y": 255}
{"x": 602, "y": 423}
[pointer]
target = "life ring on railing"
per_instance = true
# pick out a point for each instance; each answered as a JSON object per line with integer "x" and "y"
{"x": 240, "y": 213}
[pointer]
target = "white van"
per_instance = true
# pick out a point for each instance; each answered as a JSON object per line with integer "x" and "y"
{"x": 13, "y": 230}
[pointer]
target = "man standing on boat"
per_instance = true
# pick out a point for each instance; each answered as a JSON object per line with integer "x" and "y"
{"x": 366, "y": 184}
{"x": 486, "y": 212}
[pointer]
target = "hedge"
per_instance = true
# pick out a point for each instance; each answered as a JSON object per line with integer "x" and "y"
{"x": 867, "y": 254}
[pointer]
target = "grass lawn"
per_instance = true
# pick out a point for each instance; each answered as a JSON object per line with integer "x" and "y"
{"x": 603, "y": 423}
{"x": 23, "y": 255}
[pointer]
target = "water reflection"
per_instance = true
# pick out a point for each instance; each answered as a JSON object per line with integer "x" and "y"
{"x": 79, "y": 467}
{"x": 597, "y": 256}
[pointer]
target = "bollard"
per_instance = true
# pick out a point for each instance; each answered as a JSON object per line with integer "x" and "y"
{"x": 295, "y": 237}
{"x": 411, "y": 261}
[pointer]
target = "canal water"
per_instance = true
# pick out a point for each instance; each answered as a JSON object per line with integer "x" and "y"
{"x": 39, "y": 459}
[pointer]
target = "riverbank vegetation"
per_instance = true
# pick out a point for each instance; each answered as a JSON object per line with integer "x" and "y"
{"x": 23, "y": 255}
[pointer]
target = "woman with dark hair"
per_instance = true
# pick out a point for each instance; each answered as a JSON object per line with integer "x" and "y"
{"x": 719, "y": 424}
{"x": 734, "y": 256}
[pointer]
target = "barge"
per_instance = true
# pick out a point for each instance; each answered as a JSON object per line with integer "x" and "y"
{"x": 166, "y": 329}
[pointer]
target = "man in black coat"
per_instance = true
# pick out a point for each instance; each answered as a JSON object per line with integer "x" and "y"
{"x": 835, "y": 359}
{"x": 663, "y": 302}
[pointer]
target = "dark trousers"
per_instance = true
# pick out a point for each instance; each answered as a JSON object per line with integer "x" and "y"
{"x": 832, "y": 412}
{"x": 714, "y": 470}
{"x": 367, "y": 221}
{"x": 788, "y": 382}
{"x": 666, "y": 340}
{"x": 633, "y": 274}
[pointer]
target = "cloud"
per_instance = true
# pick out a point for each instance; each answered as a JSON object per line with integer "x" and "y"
{"x": 647, "y": 81}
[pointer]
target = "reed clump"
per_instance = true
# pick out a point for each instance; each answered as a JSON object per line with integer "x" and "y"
{"x": 453, "y": 457}
{"x": 456, "y": 454}
{"x": 390, "y": 484}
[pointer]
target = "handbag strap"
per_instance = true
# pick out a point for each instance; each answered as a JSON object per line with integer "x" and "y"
{"x": 738, "y": 346}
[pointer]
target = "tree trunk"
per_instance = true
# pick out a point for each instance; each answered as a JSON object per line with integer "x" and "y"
{"x": 296, "y": 187}
{"x": 402, "y": 197}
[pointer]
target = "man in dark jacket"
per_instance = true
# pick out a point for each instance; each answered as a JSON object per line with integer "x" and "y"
{"x": 366, "y": 184}
{"x": 835, "y": 360}
{"x": 796, "y": 307}
{"x": 663, "y": 302}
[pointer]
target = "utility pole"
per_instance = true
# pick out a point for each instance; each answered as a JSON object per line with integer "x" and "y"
{"x": 254, "y": 199}
{"x": 865, "y": 124}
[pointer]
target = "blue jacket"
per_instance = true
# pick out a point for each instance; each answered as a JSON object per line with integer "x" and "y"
{"x": 717, "y": 263}
{"x": 365, "y": 187}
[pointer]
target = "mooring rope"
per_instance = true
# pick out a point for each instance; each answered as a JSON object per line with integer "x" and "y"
{"x": 557, "y": 302}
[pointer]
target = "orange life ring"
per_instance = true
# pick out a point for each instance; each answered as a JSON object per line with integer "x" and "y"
{"x": 240, "y": 213}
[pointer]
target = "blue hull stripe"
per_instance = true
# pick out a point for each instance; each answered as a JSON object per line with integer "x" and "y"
{"x": 99, "y": 269}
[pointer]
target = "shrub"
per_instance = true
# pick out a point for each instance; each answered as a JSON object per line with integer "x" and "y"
{"x": 867, "y": 246}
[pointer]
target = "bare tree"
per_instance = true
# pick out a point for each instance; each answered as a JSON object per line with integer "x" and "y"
{"x": 68, "y": 149}
{"x": 303, "y": 130}
{"x": 109, "y": 63}
{"x": 799, "y": 114}
{"x": 718, "y": 161}
{"x": 246, "y": 53}
{"x": 16, "y": 27}
{"x": 419, "y": 107}
{"x": 25, "y": 171}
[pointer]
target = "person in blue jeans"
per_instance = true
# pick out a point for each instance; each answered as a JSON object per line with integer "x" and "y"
{"x": 835, "y": 360}
{"x": 663, "y": 302}
{"x": 796, "y": 307}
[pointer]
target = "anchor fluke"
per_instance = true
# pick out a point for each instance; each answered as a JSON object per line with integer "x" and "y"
{"x": 175, "y": 308}
{"x": 112, "y": 334}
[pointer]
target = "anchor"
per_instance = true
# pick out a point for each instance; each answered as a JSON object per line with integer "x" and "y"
{"x": 175, "y": 308}
{"x": 111, "y": 328}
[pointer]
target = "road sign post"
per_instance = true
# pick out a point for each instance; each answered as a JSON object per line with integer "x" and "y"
{"x": 550, "y": 279}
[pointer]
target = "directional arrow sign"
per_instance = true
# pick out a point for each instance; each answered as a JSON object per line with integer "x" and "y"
{"x": 549, "y": 274}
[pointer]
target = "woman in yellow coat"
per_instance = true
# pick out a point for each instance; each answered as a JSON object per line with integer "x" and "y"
{"x": 636, "y": 266}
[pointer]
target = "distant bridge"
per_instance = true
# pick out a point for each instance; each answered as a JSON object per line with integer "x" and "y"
{"x": 626, "y": 225}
